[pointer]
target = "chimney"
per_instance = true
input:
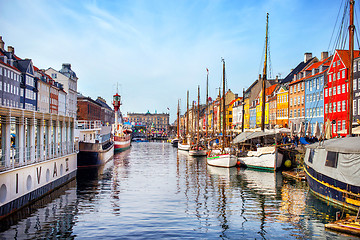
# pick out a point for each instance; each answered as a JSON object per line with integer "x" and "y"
{"x": 2, "y": 43}
{"x": 307, "y": 57}
{"x": 324, "y": 55}
{"x": 11, "y": 49}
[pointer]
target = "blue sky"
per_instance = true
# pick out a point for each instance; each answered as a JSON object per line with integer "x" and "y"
{"x": 157, "y": 50}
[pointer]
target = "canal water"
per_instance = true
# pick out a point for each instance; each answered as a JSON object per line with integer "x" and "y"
{"x": 152, "y": 191}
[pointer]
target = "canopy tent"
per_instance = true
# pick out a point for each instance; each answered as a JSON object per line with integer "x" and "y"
{"x": 328, "y": 129}
{"x": 317, "y": 132}
{"x": 308, "y": 129}
{"x": 251, "y": 135}
{"x": 301, "y": 131}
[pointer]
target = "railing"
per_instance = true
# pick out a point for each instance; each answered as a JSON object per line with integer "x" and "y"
{"x": 85, "y": 124}
{"x": 62, "y": 149}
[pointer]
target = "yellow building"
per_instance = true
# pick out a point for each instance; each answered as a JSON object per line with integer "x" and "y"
{"x": 247, "y": 113}
{"x": 282, "y": 104}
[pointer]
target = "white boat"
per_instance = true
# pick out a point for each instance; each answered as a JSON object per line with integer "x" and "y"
{"x": 197, "y": 152}
{"x": 222, "y": 160}
{"x": 183, "y": 146}
{"x": 264, "y": 158}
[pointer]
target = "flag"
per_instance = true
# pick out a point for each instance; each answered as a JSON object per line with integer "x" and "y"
{"x": 207, "y": 71}
{"x": 168, "y": 109}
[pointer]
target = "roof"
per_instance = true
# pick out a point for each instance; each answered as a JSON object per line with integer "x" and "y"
{"x": 296, "y": 70}
{"x": 342, "y": 145}
{"x": 2, "y": 62}
{"x": 345, "y": 56}
{"x": 103, "y": 104}
{"x": 270, "y": 90}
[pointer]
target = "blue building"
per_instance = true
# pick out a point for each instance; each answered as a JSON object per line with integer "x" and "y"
{"x": 314, "y": 92}
{"x": 253, "y": 117}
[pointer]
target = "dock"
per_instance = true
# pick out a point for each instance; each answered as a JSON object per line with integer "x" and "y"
{"x": 348, "y": 225}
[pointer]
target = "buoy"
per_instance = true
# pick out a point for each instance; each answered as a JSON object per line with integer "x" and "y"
{"x": 287, "y": 163}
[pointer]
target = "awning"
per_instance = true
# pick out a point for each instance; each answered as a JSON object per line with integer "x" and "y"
{"x": 250, "y": 135}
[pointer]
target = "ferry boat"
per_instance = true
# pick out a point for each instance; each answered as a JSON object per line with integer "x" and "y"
{"x": 33, "y": 164}
{"x": 121, "y": 134}
{"x": 95, "y": 144}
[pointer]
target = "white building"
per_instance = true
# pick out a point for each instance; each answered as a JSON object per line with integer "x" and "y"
{"x": 68, "y": 78}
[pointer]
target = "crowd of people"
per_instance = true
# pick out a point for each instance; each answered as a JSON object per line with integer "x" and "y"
{"x": 295, "y": 140}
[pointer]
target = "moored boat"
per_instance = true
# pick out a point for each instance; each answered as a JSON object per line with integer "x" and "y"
{"x": 121, "y": 134}
{"x": 222, "y": 157}
{"x": 95, "y": 144}
{"x": 332, "y": 169}
{"x": 184, "y": 146}
{"x": 264, "y": 158}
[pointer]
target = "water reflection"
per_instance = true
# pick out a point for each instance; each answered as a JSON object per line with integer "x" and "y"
{"x": 153, "y": 191}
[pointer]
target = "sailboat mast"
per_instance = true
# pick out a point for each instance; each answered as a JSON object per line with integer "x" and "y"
{"x": 243, "y": 111}
{"x": 198, "y": 118}
{"x": 351, "y": 49}
{"x": 187, "y": 116}
{"x": 223, "y": 106}
{"x": 178, "y": 120}
{"x": 207, "y": 102}
{"x": 264, "y": 77}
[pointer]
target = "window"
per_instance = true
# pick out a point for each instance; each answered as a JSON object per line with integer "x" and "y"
{"x": 326, "y": 92}
{"x": 332, "y": 159}
{"x": 290, "y": 102}
{"x": 303, "y": 112}
{"x": 302, "y": 99}
{"x": 330, "y": 107}
{"x": 334, "y": 106}
{"x": 354, "y": 66}
{"x": 307, "y": 113}
{"x": 354, "y": 107}
{"x": 343, "y": 73}
{"x": 311, "y": 155}
{"x": 338, "y": 89}
{"x": 343, "y": 88}
{"x": 307, "y": 98}
{"x": 298, "y": 100}
{"x": 291, "y": 89}
{"x": 358, "y": 65}
{"x": 338, "y": 75}
{"x": 334, "y": 90}
{"x": 358, "y": 106}
{"x": 291, "y": 112}
{"x": 299, "y": 113}
{"x": 294, "y": 113}
{"x": 359, "y": 82}
{"x": 321, "y": 111}
{"x": 339, "y": 125}
{"x": 302, "y": 86}
{"x": 321, "y": 96}
{"x": 343, "y": 105}
{"x": 330, "y": 78}
{"x": 339, "y": 106}
{"x": 354, "y": 84}
{"x": 343, "y": 124}
{"x": 317, "y": 83}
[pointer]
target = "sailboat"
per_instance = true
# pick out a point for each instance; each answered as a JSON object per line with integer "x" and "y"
{"x": 332, "y": 166}
{"x": 197, "y": 149}
{"x": 222, "y": 157}
{"x": 266, "y": 158}
{"x": 184, "y": 144}
{"x": 175, "y": 141}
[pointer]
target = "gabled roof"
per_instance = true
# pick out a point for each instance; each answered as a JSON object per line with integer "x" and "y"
{"x": 345, "y": 56}
{"x": 270, "y": 90}
{"x": 296, "y": 70}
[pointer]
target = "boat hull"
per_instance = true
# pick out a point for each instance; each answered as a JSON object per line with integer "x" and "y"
{"x": 224, "y": 160}
{"x": 332, "y": 190}
{"x": 122, "y": 143}
{"x": 197, "y": 152}
{"x": 34, "y": 181}
{"x": 95, "y": 157}
{"x": 184, "y": 147}
{"x": 265, "y": 162}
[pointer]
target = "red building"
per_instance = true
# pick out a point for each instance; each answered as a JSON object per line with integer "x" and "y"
{"x": 336, "y": 93}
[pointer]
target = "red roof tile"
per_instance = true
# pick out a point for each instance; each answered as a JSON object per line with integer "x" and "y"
{"x": 345, "y": 56}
